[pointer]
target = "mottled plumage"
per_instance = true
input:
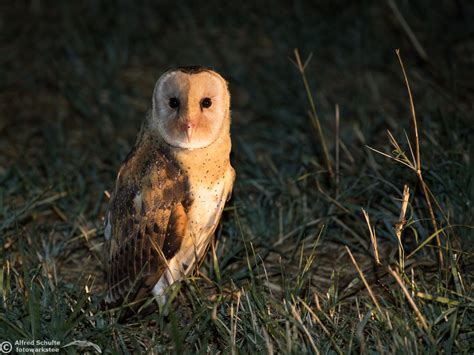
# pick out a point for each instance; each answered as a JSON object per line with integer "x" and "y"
{"x": 172, "y": 187}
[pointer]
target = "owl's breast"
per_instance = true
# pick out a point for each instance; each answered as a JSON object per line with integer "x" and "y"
{"x": 207, "y": 206}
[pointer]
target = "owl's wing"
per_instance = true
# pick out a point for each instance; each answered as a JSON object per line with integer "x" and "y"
{"x": 145, "y": 222}
{"x": 210, "y": 203}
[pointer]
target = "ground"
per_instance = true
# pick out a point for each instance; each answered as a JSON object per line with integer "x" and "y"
{"x": 76, "y": 82}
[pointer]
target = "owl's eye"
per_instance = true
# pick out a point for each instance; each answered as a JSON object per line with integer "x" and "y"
{"x": 206, "y": 102}
{"x": 173, "y": 102}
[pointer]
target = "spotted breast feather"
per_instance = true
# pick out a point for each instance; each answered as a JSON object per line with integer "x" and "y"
{"x": 146, "y": 222}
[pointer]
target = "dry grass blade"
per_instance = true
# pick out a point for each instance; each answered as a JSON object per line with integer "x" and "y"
{"x": 409, "y": 146}
{"x": 400, "y": 153}
{"x": 444, "y": 300}
{"x": 351, "y": 231}
{"x": 397, "y": 278}
{"x": 401, "y": 223}
{"x": 406, "y": 27}
{"x": 313, "y": 113}
{"x": 268, "y": 341}
{"x": 364, "y": 280}
{"x": 321, "y": 324}
{"x": 373, "y": 236}
{"x": 338, "y": 177}
{"x": 305, "y": 329}
{"x": 426, "y": 242}
{"x": 418, "y": 160}
{"x": 390, "y": 157}
{"x": 233, "y": 323}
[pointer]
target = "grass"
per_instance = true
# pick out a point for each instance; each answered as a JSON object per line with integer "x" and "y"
{"x": 322, "y": 248}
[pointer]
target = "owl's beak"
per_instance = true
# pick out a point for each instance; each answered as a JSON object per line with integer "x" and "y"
{"x": 189, "y": 127}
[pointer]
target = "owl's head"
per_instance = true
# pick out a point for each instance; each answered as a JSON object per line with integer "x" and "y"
{"x": 190, "y": 107}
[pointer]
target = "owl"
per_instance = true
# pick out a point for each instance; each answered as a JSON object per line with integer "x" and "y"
{"x": 171, "y": 188}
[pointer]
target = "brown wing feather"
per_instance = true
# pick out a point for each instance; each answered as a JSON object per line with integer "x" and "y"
{"x": 146, "y": 231}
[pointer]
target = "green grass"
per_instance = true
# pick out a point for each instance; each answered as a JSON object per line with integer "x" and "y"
{"x": 75, "y": 85}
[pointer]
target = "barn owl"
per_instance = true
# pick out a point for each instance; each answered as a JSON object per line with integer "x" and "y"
{"x": 171, "y": 189}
